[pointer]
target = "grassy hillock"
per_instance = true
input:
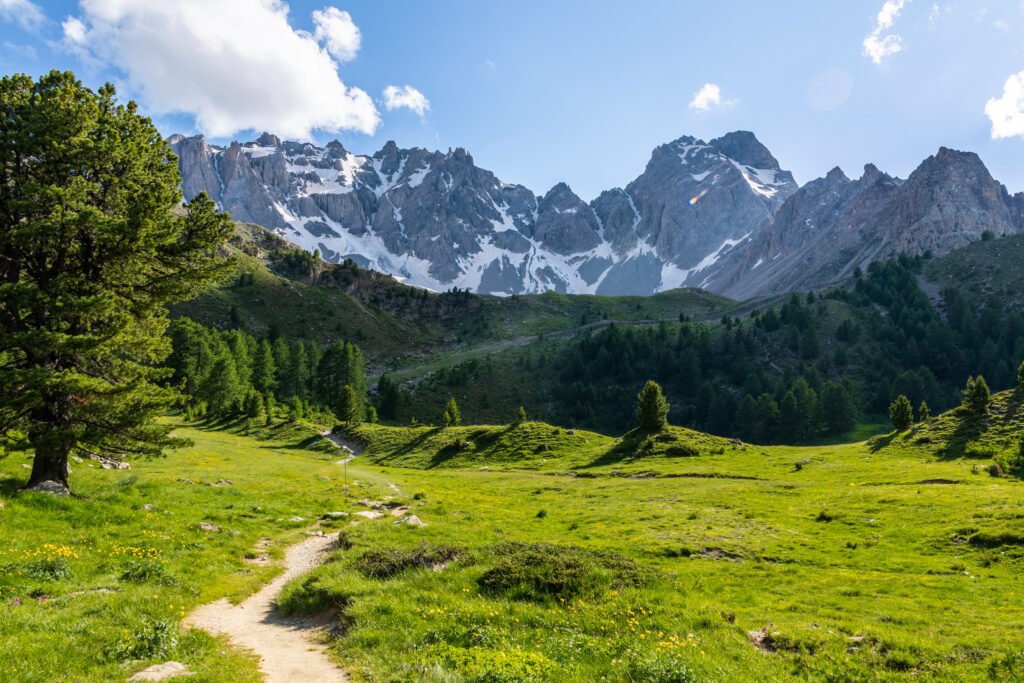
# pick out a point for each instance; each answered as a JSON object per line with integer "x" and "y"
{"x": 529, "y": 446}
{"x": 992, "y": 437}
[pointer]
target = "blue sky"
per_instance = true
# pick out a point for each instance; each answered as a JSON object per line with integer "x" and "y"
{"x": 574, "y": 91}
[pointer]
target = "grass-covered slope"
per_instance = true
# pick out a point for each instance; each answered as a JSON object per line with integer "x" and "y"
{"x": 846, "y": 563}
{"x": 92, "y": 588}
{"x": 984, "y": 271}
{"x": 992, "y": 437}
{"x": 546, "y": 555}
{"x": 278, "y": 286}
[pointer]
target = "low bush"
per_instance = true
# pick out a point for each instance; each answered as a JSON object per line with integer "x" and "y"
{"x": 994, "y": 539}
{"x": 147, "y": 571}
{"x": 312, "y": 596}
{"x": 662, "y": 669}
{"x": 46, "y": 568}
{"x": 383, "y": 563}
{"x": 484, "y": 665}
{"x": 683, "y": 450}
{"x": 540, "y": 571}
{"x": 152, "y": 639}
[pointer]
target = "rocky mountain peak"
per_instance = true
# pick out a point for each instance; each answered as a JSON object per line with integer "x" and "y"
{"x": 268, "y": 140}
{"x": 744, "y": 147}
{"x": 836, "y": 176}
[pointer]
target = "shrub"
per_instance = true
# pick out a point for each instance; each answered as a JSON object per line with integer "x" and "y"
{"x": 660, "y": 670}
{"x": 537, "y": 571}
{"x": 541, "y": 514}
{"x": 146, "y": 571}
{"x": 383, "y": 563}
{"x": 48, "y": 568}
{"x": 312, "y": 596}
{"x": 153, "y": 639}
{"x": 483, "y": 665}
{"x": 683, "y": 450}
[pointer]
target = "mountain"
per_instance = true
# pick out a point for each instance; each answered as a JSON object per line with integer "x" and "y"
{"x": 721, "y": 215}
{"x": 833, "y": 225}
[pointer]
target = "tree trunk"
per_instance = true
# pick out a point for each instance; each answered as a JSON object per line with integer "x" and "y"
{"x": 50, "y": 464}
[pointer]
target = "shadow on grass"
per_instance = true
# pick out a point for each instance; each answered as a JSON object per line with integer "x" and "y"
{"x": 626, "y": 447}
{"x": 970, "y": 428}
{"x": 482, "y": 437}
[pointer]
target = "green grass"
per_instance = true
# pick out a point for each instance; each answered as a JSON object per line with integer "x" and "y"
{"x": 123, "y": 561}
{"x": 547, "y": 555}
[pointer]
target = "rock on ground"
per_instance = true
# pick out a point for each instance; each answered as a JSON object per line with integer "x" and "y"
{"x": 159, "y": 672}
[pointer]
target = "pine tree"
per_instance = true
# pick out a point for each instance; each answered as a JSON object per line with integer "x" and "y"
{"x": 521, "y": 415}
{"x": 1020, "y": 376}
{"x": 389, "y": 397}
{"x": 254, "y": 406}
{"x": 371, "y": 415}
{"x": 348, "y": 408}
{"x": 652, "y": 408}
{"x": 91, "y": 254}
{"x": 282, "y": 362}
{"x": 901, "y": 413}
{"x": 264, "y": 369}
{"x": 976, "y": 395}
{"x": 452, "y": 417}
{"x": 923, "y": 414}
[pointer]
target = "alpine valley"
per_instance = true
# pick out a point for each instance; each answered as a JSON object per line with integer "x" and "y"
{"x": 719, "y": 215}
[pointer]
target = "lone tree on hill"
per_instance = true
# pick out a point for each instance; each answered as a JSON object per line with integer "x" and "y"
{"x": 652, "y": 408}
{"x": 923, "y": 414}
{"x": 976, "y": 395}
{"x": 521, "y": 416}
{"x": 92, "y": 251}
{"x": 901, "y": 413}
{"x": 348, "y": 407}
{"x": 452, "y": 417}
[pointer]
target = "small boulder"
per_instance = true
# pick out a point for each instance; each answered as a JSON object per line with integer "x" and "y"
{"x": 368, "y": 514}
{"x": 49, "y": 486}
{"x": 297, "y": 519}
{"x": 333, "y": 515}
{"x": 225, "y": 482}
{"x": 148, "y": 507}
{"x": 206, "y": 526}
{"x": 411, "y": 520}
{"x": 160, "y": 672}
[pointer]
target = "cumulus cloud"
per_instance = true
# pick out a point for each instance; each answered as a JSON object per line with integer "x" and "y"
{"x": 232, "y": 64}
{"x": 406, "y": 96}
{"x": 335, "y": 29}
{"x": 26, "y": 14}
{"x": 710, "y": 95}
{"x": 880, "y": 44}
{"x": 1007, "y": 112}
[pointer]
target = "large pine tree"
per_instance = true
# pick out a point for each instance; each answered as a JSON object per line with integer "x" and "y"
{"x": 92, "y": 250}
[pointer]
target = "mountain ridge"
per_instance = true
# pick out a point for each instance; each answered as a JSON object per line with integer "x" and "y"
{"x": 721, "y": 215}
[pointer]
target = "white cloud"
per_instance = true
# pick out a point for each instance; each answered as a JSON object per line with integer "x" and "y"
{"x": 1007, "y": 112}
{"x": 232, "y": 64}
{"x": 878, "y": 46}
{"x": 406, "y": 96}
{"x": 336, "y": 30}
{"x": 710, "y": 95}
{"x": 26, "y": 14}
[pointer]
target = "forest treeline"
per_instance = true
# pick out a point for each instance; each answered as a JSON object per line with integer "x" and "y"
{"x": 802, "y": 369}
{"x": 231, "y": 374}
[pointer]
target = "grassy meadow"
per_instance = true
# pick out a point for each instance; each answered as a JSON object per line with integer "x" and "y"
{"x": 548, "y": 554}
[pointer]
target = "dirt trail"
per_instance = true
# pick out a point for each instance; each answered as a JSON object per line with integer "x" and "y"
{"x": 286, "y": 652}
{"x": 351, "y": 448}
